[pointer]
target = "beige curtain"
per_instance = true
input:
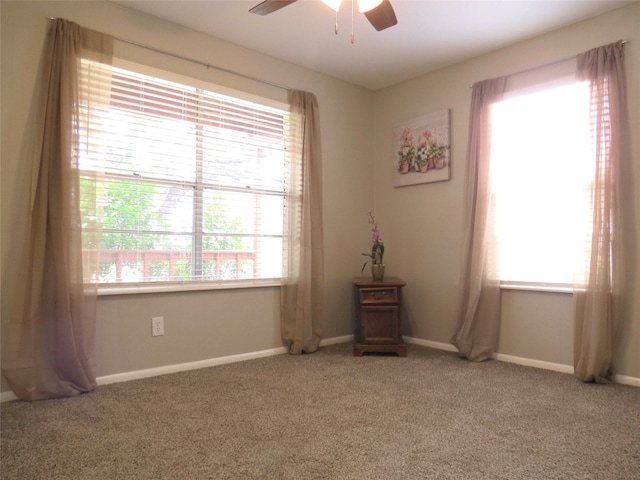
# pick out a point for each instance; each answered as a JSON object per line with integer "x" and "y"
{"x": 598, "y": 304}
{"x": 303, "y": 263}
{"x": 477, "y": 333}
{"x": 48, "y": 346}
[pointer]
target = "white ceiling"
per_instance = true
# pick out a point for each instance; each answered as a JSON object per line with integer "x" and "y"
{"x": 429, "y": 34}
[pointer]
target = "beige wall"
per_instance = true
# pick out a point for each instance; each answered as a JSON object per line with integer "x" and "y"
{"x": 422, "y": 224}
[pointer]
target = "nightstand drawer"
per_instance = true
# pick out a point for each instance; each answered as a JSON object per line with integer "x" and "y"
{"x": 375, "y": 295}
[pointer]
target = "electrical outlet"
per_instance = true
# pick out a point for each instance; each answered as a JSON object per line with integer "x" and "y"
{"x": 157, "y": 326}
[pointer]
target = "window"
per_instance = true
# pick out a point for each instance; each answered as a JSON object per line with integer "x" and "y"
{"x": 540, "y": 167}
{"x": 193, "y": 185}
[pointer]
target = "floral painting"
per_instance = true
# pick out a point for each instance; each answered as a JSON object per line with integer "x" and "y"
{"x": 422, "y": 149}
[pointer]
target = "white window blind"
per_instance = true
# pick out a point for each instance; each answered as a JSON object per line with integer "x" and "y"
{"x": 541, "y": 168}
{"x": 193, "y": 185}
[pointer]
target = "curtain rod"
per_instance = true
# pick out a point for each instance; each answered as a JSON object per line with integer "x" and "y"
{"x": 555, "y": 62}
{"x": 197, "y": 62}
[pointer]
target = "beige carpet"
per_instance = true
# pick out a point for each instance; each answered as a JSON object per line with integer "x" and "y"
{"x": 330, "y": 415}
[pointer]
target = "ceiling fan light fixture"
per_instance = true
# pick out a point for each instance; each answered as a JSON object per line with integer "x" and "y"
{"x": 333, "y": 4}
{"x": 366, "y": 5}
{"x": 379, "y": 12}
{"x": 363, "y": 5}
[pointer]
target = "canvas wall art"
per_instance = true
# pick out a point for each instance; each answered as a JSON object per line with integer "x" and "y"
{"x": 422, "y": 149}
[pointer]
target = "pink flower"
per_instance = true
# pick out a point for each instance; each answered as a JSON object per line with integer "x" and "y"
{"x": 377, "y": 249}
{"x": 375, "y": 233}
{"x": 427, "y": 136}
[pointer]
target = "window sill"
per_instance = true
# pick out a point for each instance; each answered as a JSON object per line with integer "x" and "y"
{"x": 537, "y": 287}
{"x": 144, "y": 288}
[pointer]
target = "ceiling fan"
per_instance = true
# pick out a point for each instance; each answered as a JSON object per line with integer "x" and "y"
{"x": 379, "y": 13}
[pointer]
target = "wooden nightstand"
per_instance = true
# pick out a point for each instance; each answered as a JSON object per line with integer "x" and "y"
{"x": 378, "y": 309}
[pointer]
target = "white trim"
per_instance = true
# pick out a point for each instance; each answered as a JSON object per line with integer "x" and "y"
{"x": 9, "y": 396}
{"x": 175, "y": 368}
{"x": 211, "y": 362}
{"x": 531, "y": 362}
{"x": 182, "y": 367}
{"x": 431, "y": 344}
{"x": 527, "y": 362}
{"x": 627, "y": 380}
{"x": 334, "y": 340}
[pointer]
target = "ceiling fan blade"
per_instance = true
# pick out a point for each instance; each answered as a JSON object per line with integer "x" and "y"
{"x": 269, "y": 6}
{"x": 382, "y": 16}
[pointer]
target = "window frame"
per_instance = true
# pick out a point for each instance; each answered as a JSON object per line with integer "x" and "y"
{"x": 141, "y": 287}
{"x": 533, "y": 82}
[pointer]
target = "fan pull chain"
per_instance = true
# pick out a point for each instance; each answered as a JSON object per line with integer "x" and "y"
{"x": 335, "y": 27}
{"x": 353, "y": 36}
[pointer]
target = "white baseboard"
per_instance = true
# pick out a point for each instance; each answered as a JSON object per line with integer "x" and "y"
{"x": 626, "y": 380}
{"x": 212, "y": 362}
{"x": 182, "y": 367}
{"x": 8, "y": 396}
{"x": 334, "y": 340}
{"x": 528, "y": 362}
{"x": 428, "y": 343}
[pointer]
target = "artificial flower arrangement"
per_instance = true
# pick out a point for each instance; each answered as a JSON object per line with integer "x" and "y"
{"x": 424, "y": 156}
{"x": 377, "y": 247}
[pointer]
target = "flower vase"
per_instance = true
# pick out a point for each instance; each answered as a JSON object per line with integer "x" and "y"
{"x": 377, "y": 271}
